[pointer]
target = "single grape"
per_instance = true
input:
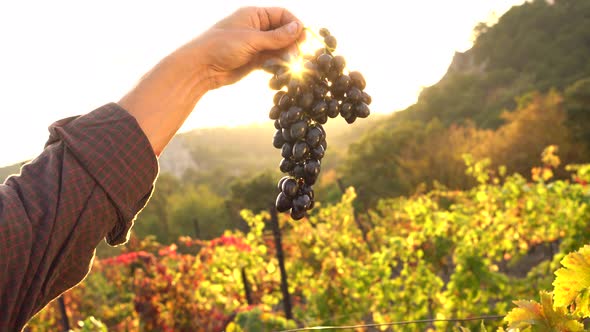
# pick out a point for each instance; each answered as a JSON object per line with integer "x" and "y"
{"x": 277, "y": 97}
{"x": 310, "y": 179}
{"x": 320, "y": 127}
{"x": 301, "y": 202}
{"x": 283, "y": 203}
{"x": 277, "y": 124}
{"x": 319, "y": 108}
{"x": 317, "y": 152}
{"x": 312, "y": 167}
{"x": 331, "y": 43}
{"x": 351, "y": 119}
{"x": 357, "y": 80}
{"x": 286, "y": 132}
{"x": 300, "y": 151}
{"x": 366, "y": 98}
{"x": 298, "y": 130}
{"x": 338, "y": 63}
{"x": 342, "y": 83}
{"x": 322, "y": 119}
{"x": 298, "y": 171}
{"x": 324, "y": 62}
{"x": 287, "y": 150}
{"x": 290, "y": 187}
{"x": 361, "y": 110}
{"x": 324, "y": 32}
{"x": 281, "y": 181}
{"x": 285, "y": 101}
{"x": 274, "y": 113}
{"x": 278, "y": 140}
{"x": 314, "y": 137}
{"x": 354, "y": 95}
{"x": 297, "y": 214}
{"x": 294, "y": 113}
{"x": 286, "y": 165}
{"x": 333, "y": 108}
{"x": 283, "y": 120}
{"x": 346, "y": 110}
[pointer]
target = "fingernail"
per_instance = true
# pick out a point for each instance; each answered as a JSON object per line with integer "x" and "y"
{"x": 292, "y": 27}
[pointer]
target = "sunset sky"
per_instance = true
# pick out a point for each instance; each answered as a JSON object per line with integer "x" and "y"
{"x": 63, "y": 58}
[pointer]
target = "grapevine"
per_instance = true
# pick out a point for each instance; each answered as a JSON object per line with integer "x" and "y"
{"x": 311, "y": 89}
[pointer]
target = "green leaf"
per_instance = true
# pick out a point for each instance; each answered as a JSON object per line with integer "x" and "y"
{"x": 482, "y": 327}
{"x": 542, "y": 316}
{"x": 572, "y": 285}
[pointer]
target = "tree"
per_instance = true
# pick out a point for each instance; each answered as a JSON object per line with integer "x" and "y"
{"x": 577, "y": 106}
{"x": 155, "y": 218}
{"x": 199, "y": 212}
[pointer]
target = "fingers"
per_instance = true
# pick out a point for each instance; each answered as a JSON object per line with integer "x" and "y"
{"x": 276, "y": 39}
{"x": 274, "y": 17}
{"x": 280, "y": 25}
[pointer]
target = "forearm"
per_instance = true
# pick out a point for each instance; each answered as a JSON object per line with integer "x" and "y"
{"x": 165, "y": 97}
{"x": 95, "y": 174}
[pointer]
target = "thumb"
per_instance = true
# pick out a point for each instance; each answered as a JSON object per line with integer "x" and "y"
{"x": 278, "y": 38}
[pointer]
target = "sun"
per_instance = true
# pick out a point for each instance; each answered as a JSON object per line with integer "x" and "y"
{"x": 296, "y": 66}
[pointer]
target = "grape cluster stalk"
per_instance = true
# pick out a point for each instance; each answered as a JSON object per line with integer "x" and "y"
{"x": 323, "y": 88}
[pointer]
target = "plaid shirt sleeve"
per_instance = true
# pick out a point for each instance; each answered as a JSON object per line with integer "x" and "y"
{"x": 94, "y": 175}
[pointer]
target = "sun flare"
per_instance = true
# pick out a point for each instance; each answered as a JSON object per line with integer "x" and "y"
{"x": 296, "y": 66}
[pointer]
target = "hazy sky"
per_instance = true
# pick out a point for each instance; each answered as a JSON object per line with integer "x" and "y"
{"x": 63, "y": 58}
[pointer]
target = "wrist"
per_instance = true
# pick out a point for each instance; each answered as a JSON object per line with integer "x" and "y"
{"x": 183, "y": 77}
{"x": 165, "y": 97}
{"x": 194, "y": 58}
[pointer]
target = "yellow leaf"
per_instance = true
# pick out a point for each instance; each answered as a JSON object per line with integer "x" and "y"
{"x": 572, "y": 284}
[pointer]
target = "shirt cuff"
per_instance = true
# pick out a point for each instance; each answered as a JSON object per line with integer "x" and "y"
{"x": 109, "y": 143}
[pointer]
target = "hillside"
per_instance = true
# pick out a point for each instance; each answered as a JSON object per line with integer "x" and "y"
{"x": 536, "y": 46}
{"x": 533, "y": 63}
{"x": 8, "y": 170}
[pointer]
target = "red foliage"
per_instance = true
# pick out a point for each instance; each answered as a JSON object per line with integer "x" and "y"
{"x": 168, "y": 251}
{"x": 230, "y": 240}
{"x": 580, "y": 181}
{"x": 128, "y": 258}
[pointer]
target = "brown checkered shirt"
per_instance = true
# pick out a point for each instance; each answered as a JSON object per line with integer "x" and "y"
{"x": 94, "y": 175}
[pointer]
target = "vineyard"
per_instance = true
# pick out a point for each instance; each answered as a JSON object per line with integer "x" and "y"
{"x": 435, "y": 255}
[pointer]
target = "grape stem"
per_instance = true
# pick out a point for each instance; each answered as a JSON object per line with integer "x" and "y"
{"x": 298, "y": 48}
{"x": 313, "y": 33}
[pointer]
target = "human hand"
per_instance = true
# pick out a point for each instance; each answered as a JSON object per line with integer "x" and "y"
{"x": 222, "y": 55}
{"x": 241, "y": 42}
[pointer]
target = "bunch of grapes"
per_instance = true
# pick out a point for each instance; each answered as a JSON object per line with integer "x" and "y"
{"x": 303, "y": 103}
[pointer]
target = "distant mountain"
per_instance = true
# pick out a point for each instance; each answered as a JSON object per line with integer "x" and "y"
{"x": 539, "y": 46}
{"x": 9, "y": 170}
{"x": 247, "y": 150}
